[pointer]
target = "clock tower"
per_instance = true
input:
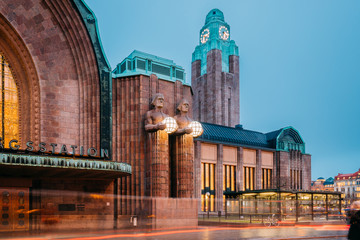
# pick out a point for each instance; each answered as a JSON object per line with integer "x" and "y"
{"x": 215, "y": 73}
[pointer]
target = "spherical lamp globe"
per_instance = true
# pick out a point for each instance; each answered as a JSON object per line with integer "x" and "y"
{"x": 171, "y": 125}
{"x": 197, "y": 129}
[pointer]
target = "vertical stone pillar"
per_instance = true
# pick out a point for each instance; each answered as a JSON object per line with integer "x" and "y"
{"x": 240, "y": 170}
{"x": 306, "y": 171}
{"x": 274, "y": 180}
{"x": 284, "y": 169}
{"x": 258, "y": 171}
{"x": 184, "y": 166}
{"x": 197, "y": 171}
{"x": 219, "y": 179}
{"x": 159, "y": 164}
{"x": 234, "y": 67}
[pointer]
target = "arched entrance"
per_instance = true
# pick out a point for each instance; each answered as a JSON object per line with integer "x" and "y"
{"x": 19, "y": 119}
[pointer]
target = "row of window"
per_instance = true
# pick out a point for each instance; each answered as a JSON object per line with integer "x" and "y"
{"x": 347, "y": 183}
{"x": 148, "y": 65}
{"x": 229, "y": 182}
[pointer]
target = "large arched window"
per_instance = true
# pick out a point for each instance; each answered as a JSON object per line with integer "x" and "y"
{"x": 9, "y": 104}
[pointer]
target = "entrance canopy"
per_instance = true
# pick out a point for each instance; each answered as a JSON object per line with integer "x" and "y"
{"x": 278, "y": 194}
{"x": 286, "y": 204}
{"x": 25, "y": 165}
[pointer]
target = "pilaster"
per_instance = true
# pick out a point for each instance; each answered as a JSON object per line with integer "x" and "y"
{"x": 219, "y": 179}
{"x": 240, "y": 170}
{"x": 258, "y": 170}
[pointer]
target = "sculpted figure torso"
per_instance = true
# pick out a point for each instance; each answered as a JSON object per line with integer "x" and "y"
{"x": 154, "y": 117}
{"x": 182, "y": 118}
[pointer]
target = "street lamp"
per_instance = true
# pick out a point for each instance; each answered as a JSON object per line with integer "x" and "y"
{"x": 207, "y": 200}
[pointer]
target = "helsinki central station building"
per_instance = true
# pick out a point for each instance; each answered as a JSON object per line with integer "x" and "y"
{"x": 85, "y": 146}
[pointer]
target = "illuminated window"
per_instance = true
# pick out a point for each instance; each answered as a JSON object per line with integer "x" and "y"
{"x": 229, "y": 180}
{"x": 266, "y": 178}
{"x": 207, "y": 187}
{"x": 9, "y": 104}
{"x": 229, "y": 175}
{"x": 249, "y": 178}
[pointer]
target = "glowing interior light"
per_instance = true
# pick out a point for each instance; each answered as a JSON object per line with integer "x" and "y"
{"x": 171, "y": 125}
{"x": 197, "y": 129}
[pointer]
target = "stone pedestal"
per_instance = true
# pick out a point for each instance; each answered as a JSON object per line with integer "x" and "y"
{"x": 183, "y": 169}
{"x": 159, "y": 164}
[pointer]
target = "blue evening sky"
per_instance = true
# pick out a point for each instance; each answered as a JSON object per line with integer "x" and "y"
{"x": 299, "y": 62}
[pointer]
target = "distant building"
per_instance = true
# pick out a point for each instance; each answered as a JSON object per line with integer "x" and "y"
{"x": 349, "y": 186}
{"x": 323, "y": 185}
{"x": 329, "y": 184}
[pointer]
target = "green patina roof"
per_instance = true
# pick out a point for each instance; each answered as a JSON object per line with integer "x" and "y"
{"x": 329, "y": 181}
{"x": 143, "y": 63}
{"x": 241, "y": 137}
{"x": 215, "y": 20}
{"x": 60, "y": 165}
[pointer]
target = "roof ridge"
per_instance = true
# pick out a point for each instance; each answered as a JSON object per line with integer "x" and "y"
{"x": 239, "y": 129}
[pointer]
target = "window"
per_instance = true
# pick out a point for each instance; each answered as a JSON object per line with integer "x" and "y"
{"x": 249, "y": 178}
{"x": 229, "y": 176}
{"x": 179, "y": 74}
{"x": 140, "y": 64}
{"x": 9, "y": 104}
{"x": 296, "y": 179}
{"x": 207, "y": 187}
{"x": 156, "y": 68}
{"x": 266, "y": 178}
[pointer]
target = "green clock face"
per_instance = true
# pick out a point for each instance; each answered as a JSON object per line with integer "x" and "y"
{"x": 224, "y": 33}
{"x": 204, "y": 36}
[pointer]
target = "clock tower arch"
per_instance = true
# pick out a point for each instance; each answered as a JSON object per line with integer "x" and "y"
{"x": 215, "y": 73}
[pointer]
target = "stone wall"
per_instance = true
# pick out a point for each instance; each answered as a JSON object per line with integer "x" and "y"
{"x": 55, "y": 69}
{"x": 216, "y": 93}
{"x": 131, "y": 100}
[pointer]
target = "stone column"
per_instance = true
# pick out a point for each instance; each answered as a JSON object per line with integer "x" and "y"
{"x": 197, "y": 172}
{"x": 240, "y": 170}
{"x": 159, "y": 164}
{"x": 219, "y": 179}
{"x": 184, "y": 166}
{"x": 258, "y": 170}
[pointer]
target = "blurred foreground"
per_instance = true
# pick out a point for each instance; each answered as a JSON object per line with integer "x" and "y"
{"x": 276, "y": 233}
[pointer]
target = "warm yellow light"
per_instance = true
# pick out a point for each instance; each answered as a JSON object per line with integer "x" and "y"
{"x": 171, "y": 125}
{"x": 197, "y": 129}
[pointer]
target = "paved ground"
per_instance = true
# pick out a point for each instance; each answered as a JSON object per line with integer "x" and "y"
{"x": 204, "y": 233}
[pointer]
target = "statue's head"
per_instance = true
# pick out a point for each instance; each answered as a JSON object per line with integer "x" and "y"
{"x": 183, "y": 106}
{"x": 158, "y": 100}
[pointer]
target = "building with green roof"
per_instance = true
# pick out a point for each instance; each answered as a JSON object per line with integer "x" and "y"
{"x": 229, "y": 158}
